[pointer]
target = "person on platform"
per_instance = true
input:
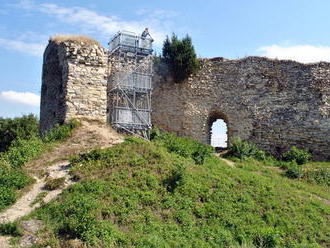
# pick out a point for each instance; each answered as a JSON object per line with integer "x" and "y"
{"x": 145, "y": 34}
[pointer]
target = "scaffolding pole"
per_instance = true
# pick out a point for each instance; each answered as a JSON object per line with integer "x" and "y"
{"x": 130, "y": 83}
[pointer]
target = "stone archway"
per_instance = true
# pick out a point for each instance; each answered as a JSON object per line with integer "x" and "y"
{"x": 214, "y": 117}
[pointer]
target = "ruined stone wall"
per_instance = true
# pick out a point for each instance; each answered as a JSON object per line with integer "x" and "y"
{"x": 74, "y": 82}
{"x": 275, "y": 104}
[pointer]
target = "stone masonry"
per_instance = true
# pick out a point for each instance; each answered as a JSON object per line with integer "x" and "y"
{"x": 273, "y": 103}
{"x": 74, "y": 81}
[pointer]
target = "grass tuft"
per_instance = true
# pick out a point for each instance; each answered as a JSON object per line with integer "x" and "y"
{"x": 74, "y": 38}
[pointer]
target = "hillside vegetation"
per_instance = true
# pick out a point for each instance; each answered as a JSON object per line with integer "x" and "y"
{"x": 172, "y": 192}
{"x": 20, "y": 144}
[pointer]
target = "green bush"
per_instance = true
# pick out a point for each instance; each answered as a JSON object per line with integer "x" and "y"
{"x": 13, "y": 178}
{"x": 21, "y": 151}
{"x": 301, "y": 156}
{"x": 319, "y": 176}
{"x": 294, "y": 170}
{"x": 267, "y": 238}
{"x": 138, "y": 194}
{"x": 22, "y": 128}
{"x": 180, "y": 57}
{"x": 61, "y": 132}
{"x": 7, "y": 197}
{"x": 10, "y": 229}
{"x": 54, "y": 183}
{"x": 243, "y": 149}
{"x": 185, "y": 147}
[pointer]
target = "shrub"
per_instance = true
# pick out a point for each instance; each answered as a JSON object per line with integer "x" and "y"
{"x": 180, "y": 57}
{"x": 22, "y": 151}
{"x": 7, "y": 197}
{"x": 10, "y": 229}
{"x": 294, "y": 170}
{"x": 61, "y": 132}
{"x": 301, "y": 156}
{"x": 320, "y": 176}
{"x": 54, "y": 183}
{"x": 243, "y": 149}
{"x": 175, "y": 179}
{"x": 13, "y": 178}
{"x": 267, "y": 238}
{"x": 185, "y": 147}
{"x": 23, "y": 128}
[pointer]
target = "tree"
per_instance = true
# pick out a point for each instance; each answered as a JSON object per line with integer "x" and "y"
{"x": 180, "y": 56}
{"x": 23, "y": 127}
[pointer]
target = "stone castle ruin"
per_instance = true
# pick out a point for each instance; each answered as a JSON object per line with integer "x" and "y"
{"x": 275, "y": 104}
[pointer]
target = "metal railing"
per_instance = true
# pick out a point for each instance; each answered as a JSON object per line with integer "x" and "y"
{"x": 129, "y": 116}
{"x": 131, "y": 42}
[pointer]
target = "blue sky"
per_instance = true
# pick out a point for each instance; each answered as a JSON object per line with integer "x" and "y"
{"x": 289, "y": 29}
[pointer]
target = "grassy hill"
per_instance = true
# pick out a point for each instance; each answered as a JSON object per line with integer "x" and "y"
{"x": 172, "y": 192}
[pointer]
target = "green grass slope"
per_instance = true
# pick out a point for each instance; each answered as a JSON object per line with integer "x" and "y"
{"x": 174, "y": 193}
{"x": 24, "y": 147}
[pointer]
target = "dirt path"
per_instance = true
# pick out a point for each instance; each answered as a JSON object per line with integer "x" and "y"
{"x": 25, "y": 204}
{"x": 53, "y": 165}
{"x": 228, "y": 162}
{"x": 4, "y": 242}
{"x": 88, "y": 136}
{"x": 326, "y": 201}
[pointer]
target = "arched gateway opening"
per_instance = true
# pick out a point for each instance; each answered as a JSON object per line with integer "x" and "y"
{"x": 218, "y": 131}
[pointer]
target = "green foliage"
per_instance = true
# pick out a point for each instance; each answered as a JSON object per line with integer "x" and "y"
{"x": 143, "y": 194}
{"x": 61, "y": 132}
{"x": 301, "y": 156}
{"x": 39, "y": 198}
{"x": 54, "y": 183}
{"x": 180, "y": 56}
{"x": 267, "y": 238}
{"x": 10, "y": 229}
{"x": 243, "y": 149}
{"x": 21, "y": 151}
{"x": 11, "y": 179}
{"x": 294, "y": 170}
{"x": 175, "y": 179}
{"x": 318, "y": 176}
{"x": 7, "y": 197}
{"x": 185, "y": 147}
{"x": 22, "y": 128}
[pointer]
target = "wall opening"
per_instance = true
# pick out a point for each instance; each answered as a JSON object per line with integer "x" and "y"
{"x": 219, "y": 134}
{"x": 218, "y": 130}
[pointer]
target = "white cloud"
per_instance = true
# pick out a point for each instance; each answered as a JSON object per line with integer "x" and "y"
{"x": 25, "y": 98}
{"x": 301, "y": 53}
{"x": 158, "y": 21}
{"x": 34, "y": 49}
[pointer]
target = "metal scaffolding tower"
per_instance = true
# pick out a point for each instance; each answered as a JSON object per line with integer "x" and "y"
{"x": 130, "y": 84}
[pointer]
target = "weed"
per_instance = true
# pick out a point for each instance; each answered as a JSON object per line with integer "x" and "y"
{"x": 185, "y": 147}
{"x": 54, "y": 183}
{"x": 294, "y": 171}
{"x": 243, "y": 149}
{"x": 147, "y": 194}
{"x": 318, "y": 176}
{"x": 21, "y": 151}
{"x": 10, "y": 229}
{"x": 39, "y": 199}
{"x": 61, "y": 132}
{"x": 301, "y": 156}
